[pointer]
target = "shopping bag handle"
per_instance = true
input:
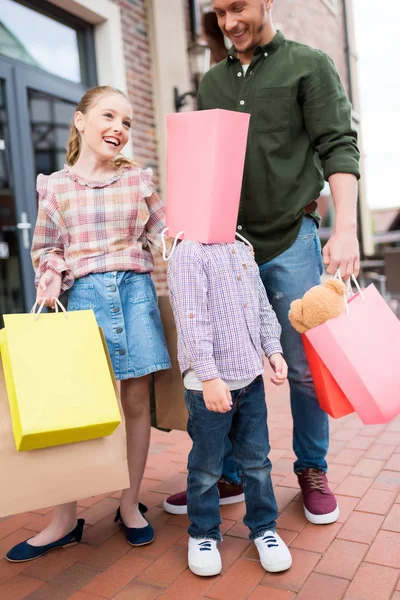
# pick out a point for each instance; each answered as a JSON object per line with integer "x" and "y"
{"x": 164, "y": 254}
{"x": 349, "y": 289}
{"x": 245, "y": 241}
{"x": 41, "y": 306}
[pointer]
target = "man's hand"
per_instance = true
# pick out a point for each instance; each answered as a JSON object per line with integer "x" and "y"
{"x": 49, "y": 287}
{"x": 279, "y": 367}
{"x": 342, "y": 252}
{"x": 217, "y": 396}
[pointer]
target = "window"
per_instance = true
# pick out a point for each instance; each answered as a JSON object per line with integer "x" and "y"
{"x": 40, "y": 35}
{"x": 332, "y": 5}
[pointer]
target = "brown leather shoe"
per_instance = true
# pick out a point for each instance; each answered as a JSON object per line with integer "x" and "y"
{"x": 229, "y": 493}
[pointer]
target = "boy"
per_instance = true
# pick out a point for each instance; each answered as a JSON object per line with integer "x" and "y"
{"x": 224, "y": 324}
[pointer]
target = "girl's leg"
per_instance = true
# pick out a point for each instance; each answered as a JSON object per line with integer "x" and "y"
{"x": 136, "y": 404}
{"x": 63, "y": 522}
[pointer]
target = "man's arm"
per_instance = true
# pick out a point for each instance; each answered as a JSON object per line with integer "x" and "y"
{"x": 327, "y": 116}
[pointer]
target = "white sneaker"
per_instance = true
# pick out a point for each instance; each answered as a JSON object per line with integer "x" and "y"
{"x": 274, "y": 554}
{"x": 203, "y": 557}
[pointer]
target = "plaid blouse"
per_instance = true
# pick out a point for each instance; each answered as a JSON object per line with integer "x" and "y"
{"x": 92, "y": 227}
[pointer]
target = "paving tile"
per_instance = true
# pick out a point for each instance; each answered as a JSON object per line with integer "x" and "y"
{"x": 85, "y": 596}
{"x": 139, "y": 591}
{"x": 293, "y": 517}
{"x": 385, "y": 550}
{"x": 377, "y": 501}
{"x": 360, "y": 442}
{"x": 354, "y": 486}
{"x": 163, "y": 571}
{"x": 388, "y": 437}
{"x": 238, "y": 582}
{"x": 392, "y": 521}
{"x": 346, "y": 505}
{"x": 188, "y": 587}
{"x": 368, "y": 467}
{"x": 101, "y": 532}
{"x": 100, "y": 510}
{"x": 9, "y": 570}
{"x": 348, "y": 457}
{"x": 380, "y": 451}
{"x": 53, "y": 563}
{"x": 166, "y": 537}
{"x": 343, "y": 434}
{"x": 372, "y": 582}
{"x": 303, "y": 563}
{"x": 173, "y": 484}
{"x": 285, "y": 495}
{"x": 233, "y": 512}
{"x": 361, "y": 527}
{"x": 116, "y": 577}
{"x": 394, "y": 425}
{"x": 263, "y": 592}
{"x": 393, "y": 464}
{"x": 19, "y": 587}
{"x": 316, "y": 538}
{"x": 387, "y": 480}
{"x": 65, "y": 584}
{"x": 336, "y": 473}
{"x": 11, "y": 524}
{"x": 88, "y": 502}
{"x": 342, "y": 559}
{"x": 329, "y": 588}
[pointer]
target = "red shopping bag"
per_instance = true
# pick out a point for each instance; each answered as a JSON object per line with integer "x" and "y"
{"x": 361, "y": 350}
{"x": 330, "y": 397}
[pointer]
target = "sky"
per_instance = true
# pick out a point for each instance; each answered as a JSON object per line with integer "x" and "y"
{"x": 376, "y": 30}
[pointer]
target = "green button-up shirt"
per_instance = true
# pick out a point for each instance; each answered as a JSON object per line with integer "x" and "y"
{"x": 300, "y": 133}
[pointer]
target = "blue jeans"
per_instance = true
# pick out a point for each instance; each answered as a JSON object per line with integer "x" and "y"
{"x": 246, "y": 425}
{"x": 288, "y": 277}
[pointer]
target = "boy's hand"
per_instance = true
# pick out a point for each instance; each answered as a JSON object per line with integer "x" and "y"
{"x": 280, "y": 368}
{"x": 49, "y": 287}
{"x": 217, "y": 395}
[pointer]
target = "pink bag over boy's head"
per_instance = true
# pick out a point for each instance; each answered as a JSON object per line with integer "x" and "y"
{"x": 205, "y": 159}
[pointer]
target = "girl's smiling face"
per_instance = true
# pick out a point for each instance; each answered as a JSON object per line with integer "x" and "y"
{"x": 104, "y": 127}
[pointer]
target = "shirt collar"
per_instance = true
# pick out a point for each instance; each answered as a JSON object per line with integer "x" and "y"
{"x": 273, "y": 45}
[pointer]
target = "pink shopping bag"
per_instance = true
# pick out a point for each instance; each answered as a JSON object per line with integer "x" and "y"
{"x": 361, "y": 350}
{"x": 205, "y": 159}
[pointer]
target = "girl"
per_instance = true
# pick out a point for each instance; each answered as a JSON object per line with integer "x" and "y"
{"x": 95, "y": 221}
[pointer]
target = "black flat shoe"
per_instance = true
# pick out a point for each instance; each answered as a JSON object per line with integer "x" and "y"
{"x": 24, "y": 551}
{"x": 137, "y": 536}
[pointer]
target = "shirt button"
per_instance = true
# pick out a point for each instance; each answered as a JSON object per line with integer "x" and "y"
{"x": 240, "y": 278}
{"x": 251, "y": 72}
{"x": 244, "y": 305}
{"x": 233, "y": 251}
{"x": 118, "y": 330}
{"x": 113, "y": 288}
{"x": 240, "y": 74}
{"x": 265, "y": 54}
{"x": 241, "y": 102}
{"x": 122, "y": 352}
{"x": 240, "y": 227}
{"x": 115, "y": 310}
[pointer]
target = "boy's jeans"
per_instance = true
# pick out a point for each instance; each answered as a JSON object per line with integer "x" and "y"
{"x": 246, "y": 425}
{"x": 288, "y": 277}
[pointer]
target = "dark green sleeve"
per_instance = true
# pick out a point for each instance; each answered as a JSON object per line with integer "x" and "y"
{"x": 199, "y": 103}
{"x": 327, "y": 117}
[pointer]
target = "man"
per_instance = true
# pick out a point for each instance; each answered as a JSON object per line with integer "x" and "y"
{"x": 300, "y": 134}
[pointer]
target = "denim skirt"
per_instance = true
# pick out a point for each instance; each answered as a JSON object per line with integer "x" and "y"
{"x": 125, "y": 306}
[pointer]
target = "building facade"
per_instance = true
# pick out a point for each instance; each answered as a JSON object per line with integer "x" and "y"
{"x": 52, "y": 51}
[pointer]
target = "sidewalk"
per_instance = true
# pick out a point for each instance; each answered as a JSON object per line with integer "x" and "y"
{"x": 357, "y": 558}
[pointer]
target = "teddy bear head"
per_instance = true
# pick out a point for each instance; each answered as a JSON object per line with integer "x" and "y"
{"x": 318, "y": 305}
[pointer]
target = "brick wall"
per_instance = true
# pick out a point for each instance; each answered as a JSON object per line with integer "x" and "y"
{"x": 135, "y": 31}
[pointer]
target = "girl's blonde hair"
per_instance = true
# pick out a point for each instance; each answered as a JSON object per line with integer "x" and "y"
{"x": 74, "y": 143}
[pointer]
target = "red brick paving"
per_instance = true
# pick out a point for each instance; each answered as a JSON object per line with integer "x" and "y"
{"x": 357, "y": 558}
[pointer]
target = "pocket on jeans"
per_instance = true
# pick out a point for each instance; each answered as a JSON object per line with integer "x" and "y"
{"x": 140, "y": 289}
{"x": 82, "y": 297}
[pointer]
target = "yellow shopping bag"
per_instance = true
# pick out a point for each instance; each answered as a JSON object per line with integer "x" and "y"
{"x": 60, "y": 384}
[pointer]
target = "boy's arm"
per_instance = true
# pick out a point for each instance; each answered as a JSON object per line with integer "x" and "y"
{"x": 270, "y": 329}
{"x": 187, "y": 283}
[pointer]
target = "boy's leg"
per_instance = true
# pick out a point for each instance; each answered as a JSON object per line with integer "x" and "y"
{"x": 229, "y": 486}
{"x": 250, "y": 440}
{"x": 249, "y": 434}
{"x": 208, "y": 431}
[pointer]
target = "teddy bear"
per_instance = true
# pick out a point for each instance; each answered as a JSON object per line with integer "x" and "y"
{"x": 318, "y": 305}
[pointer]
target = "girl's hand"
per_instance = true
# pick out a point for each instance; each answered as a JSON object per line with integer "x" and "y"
{"x": 49, "y": 287}
{"x": 279, "y": 367}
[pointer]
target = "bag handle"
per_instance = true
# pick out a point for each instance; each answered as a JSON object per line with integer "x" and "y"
{"x": 164, "y": 254}
{"x": 349, "y": 289}
{"x": 245, "y": 241}
{"x": 41, "y": 306}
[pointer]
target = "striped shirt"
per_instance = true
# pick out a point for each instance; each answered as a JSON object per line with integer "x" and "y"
{"x": 87, "y": 227}
{"x": 223, "y": 317}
